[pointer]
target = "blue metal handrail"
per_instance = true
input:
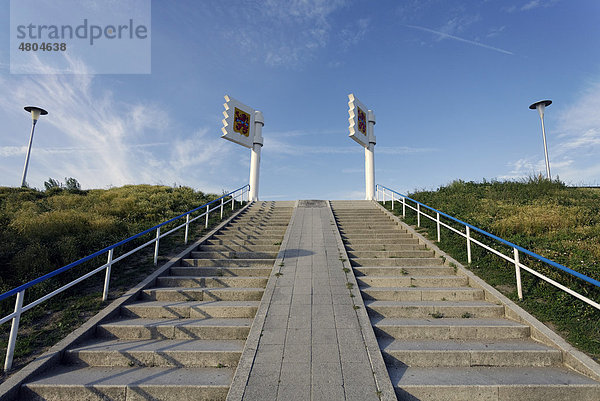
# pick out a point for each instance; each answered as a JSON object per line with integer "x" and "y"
{"x": 516, "y": 248}
{"x": 20, "y": 290}
{"x": 102, "y": 251}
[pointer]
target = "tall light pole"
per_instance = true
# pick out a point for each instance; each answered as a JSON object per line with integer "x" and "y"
{"x": 540, "y": 106}
{"x": 35, "y": 115}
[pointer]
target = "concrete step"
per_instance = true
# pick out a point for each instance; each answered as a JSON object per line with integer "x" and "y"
{"x": 437, "y": 353}
{"x": 228, "y": 262}
{"x": 130, "y": 383}
{"x": 203, "y": 294}
{"x": 380, "y": 241}
{"x": 369, "y": 231}
{"x": 174, "y": 353}
{"x": 262, "y": 239}
{"x": 220, "y": 271}
{"x": 170, "y": 329}
{"x": 243, "y": 242}
{"x": 416, "y": 281}
{"x": 251, "y": 230}
{"x": 212, "y": 282}
{"x": 233, "y": 255}
{"x": 436, "y": 309}
{"x": 396, "y": 262}
{"x": 351, "y": 236}
{"x": 378, "y": 271}
{"x": 391, "y": 254}
{"x": 492, "y": 383}
{"x": 383, "y": 247}
{"x": 260, "y": 222}
{"x": 270, "y": 249}
{"x": 373, "y": 224}
{"x": 449, "y": 329}
{"x": 421, "y": 294}
{"x": 191, "y": 309}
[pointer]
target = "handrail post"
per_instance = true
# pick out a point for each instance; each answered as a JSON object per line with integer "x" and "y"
{"x": 222, "y": 200}
{"x": 12, "y": 339}
{"x": 392, "y": 201}
{"x": 403, "y": 207}
{"x": 187, "y": 228}
{"x": 156, "y": 246}
{"x": 418, "y": 215}
{"x": 468, "y": 244}
{"x": 439, "y": 234}
{"x": 207, "y": 212}
{"x": 232, "y": 202}
{"x": 107, "y": 275}
{"x": 518, "y": 274}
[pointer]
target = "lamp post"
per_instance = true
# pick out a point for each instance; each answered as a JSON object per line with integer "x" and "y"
{"x": 540, "y": 106}
{"x": 35, "y": 115}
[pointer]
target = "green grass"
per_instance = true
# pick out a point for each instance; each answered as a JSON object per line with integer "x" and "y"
{"x": 547, "y": 217}
{"x": 41, "y": 231}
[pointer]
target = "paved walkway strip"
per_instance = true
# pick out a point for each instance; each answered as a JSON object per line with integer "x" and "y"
{"x": 311, "y": 346}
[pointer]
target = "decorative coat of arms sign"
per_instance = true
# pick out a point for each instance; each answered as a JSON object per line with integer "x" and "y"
{"x": 358, "y": 121}
{"x": 238, "y": 124}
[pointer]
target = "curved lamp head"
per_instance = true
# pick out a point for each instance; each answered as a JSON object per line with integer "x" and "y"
{"x": 35, "y": 112}
{"x": 544, "y": 103}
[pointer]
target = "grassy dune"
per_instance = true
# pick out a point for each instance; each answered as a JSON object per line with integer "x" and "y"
{"x": 548, "y": 218}
{"x": 41, "y": 231}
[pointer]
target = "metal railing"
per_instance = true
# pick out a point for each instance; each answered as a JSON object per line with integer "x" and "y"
{"x": 394, "y": 196}
{"x": 20, "y": 291}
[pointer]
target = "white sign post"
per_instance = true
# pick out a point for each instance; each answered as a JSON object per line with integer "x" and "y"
{"x": 362, "y": 121}
{"x": 243, "y": 125}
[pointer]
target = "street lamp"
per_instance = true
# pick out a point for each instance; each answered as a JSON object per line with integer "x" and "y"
{"x": 35, "y": 115}
{"x": 540, "y": 106}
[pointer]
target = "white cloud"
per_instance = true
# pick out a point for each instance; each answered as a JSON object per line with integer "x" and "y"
{"x": 104, "y": 141}
{"x": 531, "y": 5}
{"x": 495, "y": 31}
{"x": 355, "y": 33}
{"x": 282, "y": 33}
{"x": 277, "y": 145}
{"x": 443, "y": 35}
{"x": 457, "y": 24}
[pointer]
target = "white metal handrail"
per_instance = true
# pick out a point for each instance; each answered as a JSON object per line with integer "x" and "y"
{"x": 398, "y": 197}
{"x": 20, "y": 291}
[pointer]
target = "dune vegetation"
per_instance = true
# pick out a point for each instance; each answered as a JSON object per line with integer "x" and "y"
{"x": 41, "y": 231}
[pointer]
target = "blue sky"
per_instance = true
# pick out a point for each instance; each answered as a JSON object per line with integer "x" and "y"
{"x": 449, "y": 81}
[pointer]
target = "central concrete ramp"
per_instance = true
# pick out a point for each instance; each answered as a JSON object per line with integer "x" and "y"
{"x": 307, "y": 342}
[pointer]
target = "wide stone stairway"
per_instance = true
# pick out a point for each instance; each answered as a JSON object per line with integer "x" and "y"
{"x": 441, "y": 337}
{"x": 312, "y": 300}
{"x": 182, "y": 339}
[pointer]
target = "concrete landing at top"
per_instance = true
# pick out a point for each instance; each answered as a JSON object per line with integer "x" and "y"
{"x": 310, "y": 203}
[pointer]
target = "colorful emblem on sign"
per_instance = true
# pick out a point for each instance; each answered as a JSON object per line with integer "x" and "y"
{"x": 241, "y": 122}
{"x": 362, "y": 121}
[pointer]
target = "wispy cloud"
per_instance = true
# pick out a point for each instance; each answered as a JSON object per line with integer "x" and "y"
{"x": 531, "y": 5}
{"x": 282, "y": 33}
{"x": 104, "y": 141}
{"x": 278, "y": 145}
{"x": 353, "y": 35}
{"x": 443, "y": 35}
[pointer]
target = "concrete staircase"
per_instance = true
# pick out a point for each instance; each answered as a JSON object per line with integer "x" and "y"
{"x": 442, "y": 339}
{"x": 182, "y": 339}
